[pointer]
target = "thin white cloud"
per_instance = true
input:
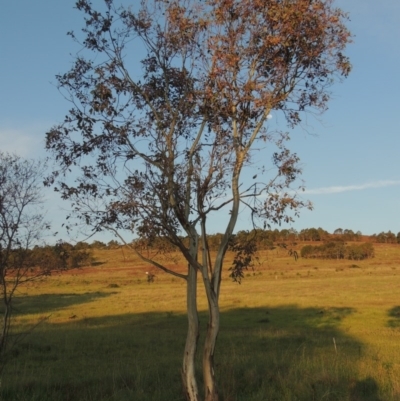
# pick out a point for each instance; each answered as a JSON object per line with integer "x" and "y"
{"x": 348, "y": 188}
{"x": 26, "y": 141}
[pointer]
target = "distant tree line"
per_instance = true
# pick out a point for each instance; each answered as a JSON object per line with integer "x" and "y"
{"x": 267, "y": 239}
{"x": 81, "y": 253}
{"x": 386, "y": 238}
{"x": 334, "y": 246}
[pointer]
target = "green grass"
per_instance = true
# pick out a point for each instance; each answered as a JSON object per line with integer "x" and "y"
{"x": 292, "y": 331}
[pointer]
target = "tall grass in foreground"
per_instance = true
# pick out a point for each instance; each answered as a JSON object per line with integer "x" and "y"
{"x": 291, "y": 332}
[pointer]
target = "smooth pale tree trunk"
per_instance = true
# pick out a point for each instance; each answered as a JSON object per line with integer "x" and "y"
{"x": 210, "y": 385}
{"x": 188, "y": 368}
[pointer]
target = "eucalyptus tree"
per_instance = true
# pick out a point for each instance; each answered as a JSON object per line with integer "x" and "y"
{"x": 170, "y": 106}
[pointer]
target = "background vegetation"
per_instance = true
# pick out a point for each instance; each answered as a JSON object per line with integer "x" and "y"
{"x": 338, "y": 250}
{"x": 294, "y": 330}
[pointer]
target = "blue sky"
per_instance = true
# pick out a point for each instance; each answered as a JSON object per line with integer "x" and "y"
{"x": 350, "y": 156}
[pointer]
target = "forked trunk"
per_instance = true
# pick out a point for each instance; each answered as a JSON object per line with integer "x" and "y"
{"x": 210, "y": 386}
{"x": 188, "y": 369}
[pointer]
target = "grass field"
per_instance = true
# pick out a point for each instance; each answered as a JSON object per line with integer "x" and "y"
{"x": 293, "y": 330}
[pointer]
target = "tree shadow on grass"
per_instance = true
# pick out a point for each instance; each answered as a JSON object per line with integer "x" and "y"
{"x": 366, "y": 390}
{"x": 394, "y": 317}
{"x": 45, "y": 303}
{"x": 290, "y": 353}
{"x": 271, "y": 353}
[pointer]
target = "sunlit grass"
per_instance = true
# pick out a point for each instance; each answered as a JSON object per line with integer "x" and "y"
{"x": 293, "y": 330}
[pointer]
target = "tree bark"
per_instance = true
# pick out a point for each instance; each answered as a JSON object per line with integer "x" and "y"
{"x": 4, "y": 332}
{"x": 188, "y": 369}
{"x": 210, "y": 385}
{"x": 4, "y": 328}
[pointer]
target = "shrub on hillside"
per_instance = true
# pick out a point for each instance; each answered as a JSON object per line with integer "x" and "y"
{"x": 62, "y": 255}
{"x": 338, "y": 250}
{"x": 359, "y": 252}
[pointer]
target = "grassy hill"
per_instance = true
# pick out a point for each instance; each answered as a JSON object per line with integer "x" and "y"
{"x": 293, "y": 330}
